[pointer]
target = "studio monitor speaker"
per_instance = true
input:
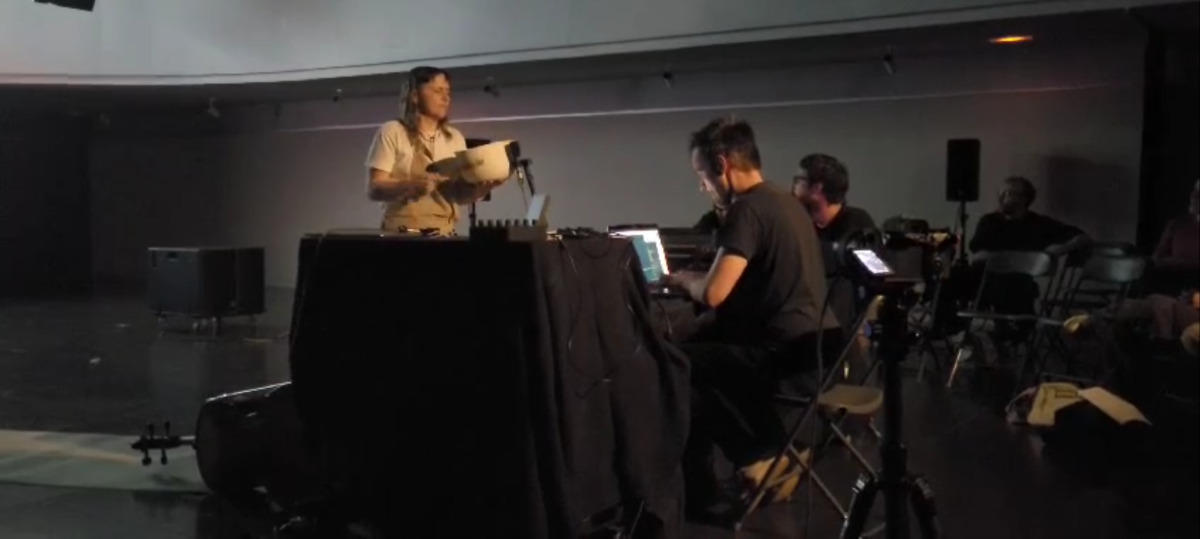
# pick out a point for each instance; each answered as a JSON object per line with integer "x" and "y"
{"x": 962, "y": 170}
{"x": 85, "y": 5}
{"x": 206, "y": 282}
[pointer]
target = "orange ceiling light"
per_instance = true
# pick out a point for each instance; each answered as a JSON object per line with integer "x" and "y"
{"x": 1010, "y": 40}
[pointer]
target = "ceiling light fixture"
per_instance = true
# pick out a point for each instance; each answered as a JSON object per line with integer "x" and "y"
{"x": 1010, "y": 40}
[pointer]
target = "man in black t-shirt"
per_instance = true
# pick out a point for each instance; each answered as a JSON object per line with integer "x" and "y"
{"x": 821, "y": 185}
{"x": 1014, "y": 227}
{"x": 765, "y": 288}
{"x": 710, "y": 222}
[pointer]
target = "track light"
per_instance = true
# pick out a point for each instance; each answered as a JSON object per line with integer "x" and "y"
{"x": 889, "y": 63}
{"x": 212, "y": 111}
{"x": 668, "y": 78}
{"x": 337, "y": 95}
{"x": 1010, "y": 40}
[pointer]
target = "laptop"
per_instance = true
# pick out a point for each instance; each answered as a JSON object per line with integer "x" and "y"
{"x": 652, "y": 256}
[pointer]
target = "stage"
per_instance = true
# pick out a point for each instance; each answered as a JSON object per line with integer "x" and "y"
{"x": 103, "y": 365}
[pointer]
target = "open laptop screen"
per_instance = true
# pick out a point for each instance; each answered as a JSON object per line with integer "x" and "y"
{"x": 651, "y": 254}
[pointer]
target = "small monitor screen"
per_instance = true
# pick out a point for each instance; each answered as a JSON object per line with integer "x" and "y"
{"x": 872, "y": 262}
{"x": 650, "y": 251}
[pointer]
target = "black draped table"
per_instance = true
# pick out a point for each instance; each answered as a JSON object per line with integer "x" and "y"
{"x": 456, "y": 388}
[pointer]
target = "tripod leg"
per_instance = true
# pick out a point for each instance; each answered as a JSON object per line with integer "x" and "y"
{"x": 861, "y": 501}
{"x": 921, "y": 496}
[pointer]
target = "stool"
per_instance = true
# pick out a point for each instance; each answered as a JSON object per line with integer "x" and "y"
{"x": 838, "y": 403}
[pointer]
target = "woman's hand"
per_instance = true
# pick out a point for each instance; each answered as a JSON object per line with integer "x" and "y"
{"x": 420, "y": 187}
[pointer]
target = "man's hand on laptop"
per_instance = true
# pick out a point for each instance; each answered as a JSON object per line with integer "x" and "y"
{"x": 689, "y": 281}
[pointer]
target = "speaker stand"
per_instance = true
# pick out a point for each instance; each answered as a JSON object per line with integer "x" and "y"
{"x": 961, "y": 228}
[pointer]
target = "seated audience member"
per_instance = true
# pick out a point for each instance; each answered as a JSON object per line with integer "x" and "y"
{"x": 1169, "y": 317}
{"x": 764, "y": 290}
{"x": 821, "y": 185}
{"x": 1014, "y": 227}
{"x": 1177, "y": 256}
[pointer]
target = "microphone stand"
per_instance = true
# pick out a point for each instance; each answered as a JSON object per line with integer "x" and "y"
{"x": 471, "y": 215}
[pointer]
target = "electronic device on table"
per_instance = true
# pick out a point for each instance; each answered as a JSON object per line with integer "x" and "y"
{"x": 647, "y": 242}
{"x": 531, "y": 228}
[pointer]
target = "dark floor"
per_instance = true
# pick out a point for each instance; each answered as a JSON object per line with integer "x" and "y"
{"x": 102, "y": 365}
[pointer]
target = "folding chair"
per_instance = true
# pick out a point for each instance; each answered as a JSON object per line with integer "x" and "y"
{"x": 1083, "y": 294}
{"x": 1116, "y": 274}
{"x": 835, "y": 403}
{"x": 1035, "y": 265}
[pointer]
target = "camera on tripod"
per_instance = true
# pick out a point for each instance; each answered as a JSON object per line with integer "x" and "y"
{"x": 860, "y": 258}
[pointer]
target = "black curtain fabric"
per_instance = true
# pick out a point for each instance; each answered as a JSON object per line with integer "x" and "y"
{"x": 459, "y": 388}
{"x": 45, "y": 208}
{"x": 1170, "y": 119}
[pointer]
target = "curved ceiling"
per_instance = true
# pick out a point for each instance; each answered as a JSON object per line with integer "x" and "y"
{"x": 1079, "y": 30}
{"x": 188, "y": 42}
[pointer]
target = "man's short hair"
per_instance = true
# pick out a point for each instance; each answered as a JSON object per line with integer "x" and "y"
{"x": 1026, "y": 186}
{"x": 729, "y": 138}
{"x": 830, "y": 173}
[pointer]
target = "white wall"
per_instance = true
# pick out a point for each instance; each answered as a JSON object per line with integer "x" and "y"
{"x": 224, "y": 41}
{"x": 614, "y": 151}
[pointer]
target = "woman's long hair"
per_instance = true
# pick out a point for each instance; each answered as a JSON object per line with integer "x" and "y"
{"x": 410, "y": 104}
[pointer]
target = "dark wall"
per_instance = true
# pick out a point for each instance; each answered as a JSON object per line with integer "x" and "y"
{"x": 1170, "y": 157}
{"x": 45, "y": 221}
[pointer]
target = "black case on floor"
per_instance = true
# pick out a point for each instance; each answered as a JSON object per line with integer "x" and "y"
{"x": 206, "y": 282}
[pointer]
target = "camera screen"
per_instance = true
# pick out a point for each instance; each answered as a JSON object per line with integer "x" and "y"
{"x": 872, "y": 262}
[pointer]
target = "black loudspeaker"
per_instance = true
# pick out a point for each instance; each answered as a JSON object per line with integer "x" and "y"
{"x": 206, "y": 282}
{"x": 85, "y": 5}
{"x": 962, "y": 170}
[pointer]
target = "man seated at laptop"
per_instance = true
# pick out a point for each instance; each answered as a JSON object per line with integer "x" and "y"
{"x": 765, "y": 290}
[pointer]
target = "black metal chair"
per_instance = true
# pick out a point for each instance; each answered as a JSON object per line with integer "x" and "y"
{"x": 1118, "y": 274}
{"x": 1091, "y": 294}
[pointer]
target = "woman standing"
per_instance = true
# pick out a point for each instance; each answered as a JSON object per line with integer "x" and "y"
{"x": 414, "y": 197}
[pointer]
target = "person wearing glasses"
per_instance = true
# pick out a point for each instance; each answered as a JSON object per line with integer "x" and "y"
{"x": 821, "y": 185}
{"x": 415, "y": 197}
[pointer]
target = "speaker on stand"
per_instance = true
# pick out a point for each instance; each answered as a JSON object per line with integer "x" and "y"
{"x": 962, "y": 184}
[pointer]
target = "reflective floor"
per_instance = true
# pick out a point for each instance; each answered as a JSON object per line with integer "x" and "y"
{"x": 105, "y": 365}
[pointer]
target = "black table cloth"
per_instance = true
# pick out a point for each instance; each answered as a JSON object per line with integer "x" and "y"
{"x": 458, "y": 388}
